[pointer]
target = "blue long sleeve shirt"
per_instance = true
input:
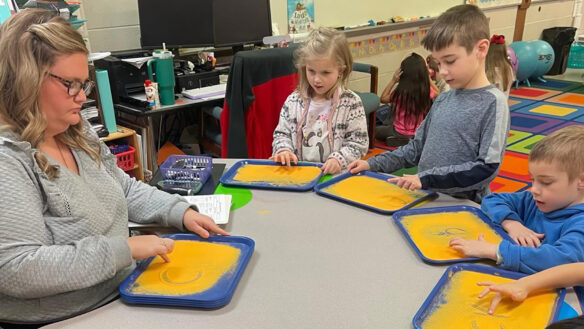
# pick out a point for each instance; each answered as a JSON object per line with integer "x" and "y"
{"x": 563, "y": 228}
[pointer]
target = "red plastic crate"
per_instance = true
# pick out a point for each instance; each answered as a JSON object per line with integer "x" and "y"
{"x": 126, "y": 159}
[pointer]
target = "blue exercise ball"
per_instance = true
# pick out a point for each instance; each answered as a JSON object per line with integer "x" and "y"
{"x": 526, "y": 59}
{"x": 545, "y": 57}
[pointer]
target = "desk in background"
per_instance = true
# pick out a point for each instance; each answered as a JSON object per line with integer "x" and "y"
{"x": 318, "y": 263}
{"x": 150, "y": 122}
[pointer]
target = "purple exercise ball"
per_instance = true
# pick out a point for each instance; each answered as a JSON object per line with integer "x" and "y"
{"x": 512, "y": 58}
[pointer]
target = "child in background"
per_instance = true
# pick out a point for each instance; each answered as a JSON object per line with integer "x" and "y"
{"x": 499, "y": 70}
{"x": 321, "y": 120}
{"x": 437, "y": 82}
{"x": 410, "y": 100}
{"x": 459, "y": 146}
{"x": 547, "y": 223}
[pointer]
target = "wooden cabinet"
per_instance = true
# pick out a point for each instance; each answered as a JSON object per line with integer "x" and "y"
{"x": 128, "y": 136}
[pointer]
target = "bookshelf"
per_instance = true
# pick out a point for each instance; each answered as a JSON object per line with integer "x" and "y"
{"x": 128, "y": 136}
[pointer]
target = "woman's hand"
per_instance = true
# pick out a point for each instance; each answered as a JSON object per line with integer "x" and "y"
{"x": 144, "y": 246}
{"x": 285, "y": 157}
{"x": 331, "y": 166}
{"x": 201, "y": 224}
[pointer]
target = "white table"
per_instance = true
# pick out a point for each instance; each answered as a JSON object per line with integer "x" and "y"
{"x": 317, "y": 263}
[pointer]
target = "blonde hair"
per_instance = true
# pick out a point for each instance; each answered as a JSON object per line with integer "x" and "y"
{"x": 464, "y": 25}
{"x": 564, "y": 147}
{"x": 497, "y": 61}
{"x": 323, "y": 42}
{"x": 31, "y": 41}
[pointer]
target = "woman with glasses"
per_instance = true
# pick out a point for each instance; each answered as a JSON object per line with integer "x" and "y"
{"x": 64, "y": 204}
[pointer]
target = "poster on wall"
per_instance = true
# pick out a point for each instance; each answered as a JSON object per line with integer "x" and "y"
{"x": 493, "y": 3}
{"x": 300, "y": 16}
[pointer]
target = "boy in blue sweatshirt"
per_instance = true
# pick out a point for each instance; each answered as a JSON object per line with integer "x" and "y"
{"x": 459, "y": 146}
{"x": 547, "y": 223}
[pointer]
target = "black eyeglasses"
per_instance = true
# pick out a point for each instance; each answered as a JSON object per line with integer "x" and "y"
{"x": 75, "y": 86}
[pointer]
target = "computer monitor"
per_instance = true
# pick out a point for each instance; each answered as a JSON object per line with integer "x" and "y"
{"x": 239, "y": 22}
{"x": 178, "y": 23}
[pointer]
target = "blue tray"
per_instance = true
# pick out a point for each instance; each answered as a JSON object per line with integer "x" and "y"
{"x": 320, "y": 190}
{"x": 216, "y": 296}
{"x": 436, "y": 297}
{"x": 227, "y": 177}
{"x": 398, "y": 216}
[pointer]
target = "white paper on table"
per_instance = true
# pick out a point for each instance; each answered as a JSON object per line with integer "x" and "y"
{"x": 215, "y": 206}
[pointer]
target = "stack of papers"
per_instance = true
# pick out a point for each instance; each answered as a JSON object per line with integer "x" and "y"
{"x": 215, "y": 206}
{"x": 215, "y": 91}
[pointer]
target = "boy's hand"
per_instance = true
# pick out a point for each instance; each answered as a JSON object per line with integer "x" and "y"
{"x": 285, "y": 157}
{"x": 410, "y": 182}
{"x": 357, "y": 166}
{"x": 331, "y": 166}
{"x": 515, "y": 289}
{"x": 521, "y": 234}
{"x": 474, "y": 248}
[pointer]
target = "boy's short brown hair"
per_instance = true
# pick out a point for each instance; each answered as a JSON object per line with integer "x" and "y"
{"x": 565, "y": 147}
{"x": 464, "y": 24}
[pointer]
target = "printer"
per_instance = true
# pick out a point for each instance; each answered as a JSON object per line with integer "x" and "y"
{"x": 125, "y": 79}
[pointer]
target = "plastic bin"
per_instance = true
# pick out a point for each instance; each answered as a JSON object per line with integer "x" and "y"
{"x": 125, "y": 160}
{"x": 187, "y": 167}
{"x": 576, "y": 56}
{"x": 560, "y": 38}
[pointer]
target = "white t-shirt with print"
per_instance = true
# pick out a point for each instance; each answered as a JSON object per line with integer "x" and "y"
{"x": 315, "y": 143}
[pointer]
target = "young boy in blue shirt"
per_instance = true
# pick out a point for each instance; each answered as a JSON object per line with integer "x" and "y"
{"x": 547, "y": 223}
{"x": 459, "y": 146}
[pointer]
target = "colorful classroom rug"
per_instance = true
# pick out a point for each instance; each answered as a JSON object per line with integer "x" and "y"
{"x": 536, "y": 111}
{"x": 536, "y": 94}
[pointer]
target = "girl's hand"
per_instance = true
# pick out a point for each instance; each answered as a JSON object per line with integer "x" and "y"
{"x": 285, "y": 157}
{"x": 396, "y": 75}
{"x": 331, "y": 166}
{"x": 515, "y": 290}
{"x": 474, "y": 248}
{"x": 357, "y": 166}
{"x": 409, "y": 182}
{"x": 143, "y": 246}
{"x": 521, "y": 234}
{"x": 201, "y": 224}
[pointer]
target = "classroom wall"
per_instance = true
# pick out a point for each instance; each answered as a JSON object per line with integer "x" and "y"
{"x": 114, "y": 25}
{"x": 539, "y": 16}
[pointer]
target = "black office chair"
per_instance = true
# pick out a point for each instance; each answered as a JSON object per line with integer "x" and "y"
{"x": 369, "y": 99}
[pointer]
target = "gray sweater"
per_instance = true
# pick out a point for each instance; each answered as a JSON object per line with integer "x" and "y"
{"x": 459, "y": 146}
{"x": 63, "y": 247}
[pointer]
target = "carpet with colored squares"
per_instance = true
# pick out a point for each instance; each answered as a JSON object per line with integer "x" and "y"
{"x": 536, "y": 111}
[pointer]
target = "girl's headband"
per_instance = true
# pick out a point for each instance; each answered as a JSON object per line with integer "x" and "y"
{"x": 498, "y": 38}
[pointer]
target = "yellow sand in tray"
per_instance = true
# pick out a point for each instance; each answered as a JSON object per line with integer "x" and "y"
{"x": 432, "y": 232}
{"x": 374, "y": 192}
{"x": 194, "y": 266}
{"x": 276, "y": 175}
{"x": 462, "y": 308}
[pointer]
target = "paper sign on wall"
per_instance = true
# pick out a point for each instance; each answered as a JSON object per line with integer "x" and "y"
{"x": 300, "y": 16}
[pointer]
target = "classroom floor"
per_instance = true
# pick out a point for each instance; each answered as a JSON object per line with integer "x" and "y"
{"x": 535, "y": 112}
